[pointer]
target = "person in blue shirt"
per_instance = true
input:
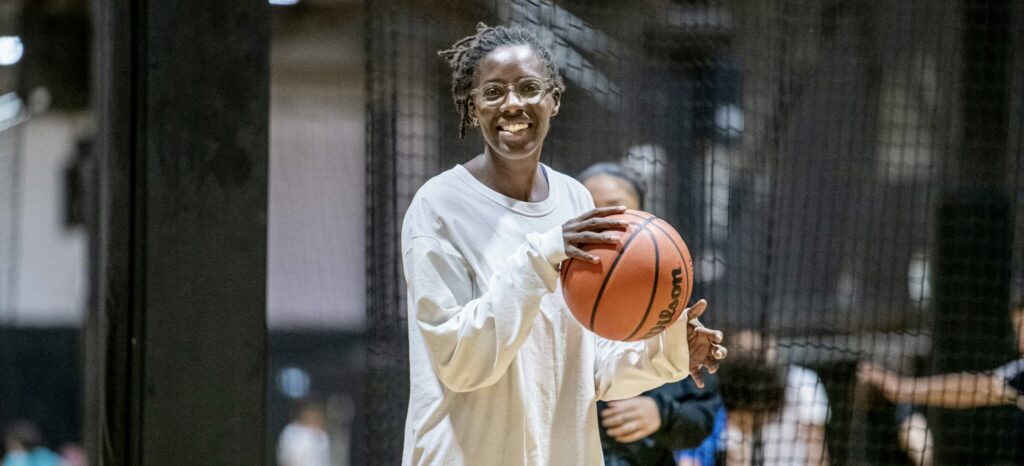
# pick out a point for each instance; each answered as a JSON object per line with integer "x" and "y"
{"x": 23, "y": 444}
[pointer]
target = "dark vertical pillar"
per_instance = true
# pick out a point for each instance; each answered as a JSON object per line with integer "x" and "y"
{"x": 387, "y": 390}
{"x": 974, "y": 242}
{"x": 176, "y": 340}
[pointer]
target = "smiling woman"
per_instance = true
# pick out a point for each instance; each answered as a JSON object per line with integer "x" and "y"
{"x": 500, "y": 372}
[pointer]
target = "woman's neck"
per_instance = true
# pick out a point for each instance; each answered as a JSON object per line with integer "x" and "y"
{"x": 518, "y": 179}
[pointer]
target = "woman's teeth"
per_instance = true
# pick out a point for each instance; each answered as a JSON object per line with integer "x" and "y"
{"x": 515, "y": 127}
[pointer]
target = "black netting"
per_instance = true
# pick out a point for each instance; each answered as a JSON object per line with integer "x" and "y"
{"x": 848, "y": 176}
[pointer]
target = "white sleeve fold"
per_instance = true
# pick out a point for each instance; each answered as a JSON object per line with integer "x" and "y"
{"x": 472, "y": 341}
{"x": 627, "y": 369}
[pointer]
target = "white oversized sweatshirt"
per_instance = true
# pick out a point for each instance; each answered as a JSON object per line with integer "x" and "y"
{"x": 500, "y": 371}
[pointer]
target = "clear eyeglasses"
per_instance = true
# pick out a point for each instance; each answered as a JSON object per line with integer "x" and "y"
{"x": 530, "y": 90}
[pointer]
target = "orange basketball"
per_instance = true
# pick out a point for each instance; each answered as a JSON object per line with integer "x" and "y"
{"x": 639, "y": 288}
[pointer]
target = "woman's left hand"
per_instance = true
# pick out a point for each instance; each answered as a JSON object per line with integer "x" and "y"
{"x": 705, "y": 348}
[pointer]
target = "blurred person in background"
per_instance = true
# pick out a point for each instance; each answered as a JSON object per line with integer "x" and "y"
{"x": 611, "y": 184}
{"x": 644, "y": 430}
{"x": 73, "y": 454}
{"x": 304, "y": 441}
{"x": 753, "y": 395}
{"x": 775, "y": 413}
{"x": 23, "y": 443}
{"x": 997, "y": 387}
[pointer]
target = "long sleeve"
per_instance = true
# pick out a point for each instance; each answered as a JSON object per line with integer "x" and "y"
{"x": 472, "y": 341}
{"x": 687, "y": 412}
{"x": 626, "y": 369}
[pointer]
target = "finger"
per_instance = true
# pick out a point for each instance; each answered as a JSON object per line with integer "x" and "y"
{"x": 600, "y": 224}
{"x": 612, "y": 422}
{"x": 630, "y": 415}
{"x": 711, "y": 365}
{"x": 586, "y": 237}
{"x": 622, "y": 430}
{"x": 719, "y": 352}
{"x": 609, "y": 210}
{"x": 632, "y": 436}
{"x": 619, "y": 419}
{"x": 615, "y": 408}
{"x": 697, "y": 309}
{"x": 577, "y": 253}
{"x": 600, "y": 212}
{"x": 611, "y": 419}
{"x": 716, "y": 336}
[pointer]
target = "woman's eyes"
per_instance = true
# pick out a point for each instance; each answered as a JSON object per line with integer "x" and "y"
{"x": 530, "y": 87}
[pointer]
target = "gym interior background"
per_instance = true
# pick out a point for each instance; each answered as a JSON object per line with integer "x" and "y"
{"x": 200, "y": 204}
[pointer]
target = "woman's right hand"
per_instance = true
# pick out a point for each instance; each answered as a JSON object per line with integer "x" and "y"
{"x": 592, "y": 227}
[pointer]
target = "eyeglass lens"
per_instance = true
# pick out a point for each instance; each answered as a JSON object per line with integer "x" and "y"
{"x": 529, "y": 90}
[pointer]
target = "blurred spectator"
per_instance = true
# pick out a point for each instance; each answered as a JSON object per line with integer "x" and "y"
{"x": 672, "y": 417}
{"x": 612, "y": 184}
{"x": 644, "y": 430}
{"x": 341, "y": 410}
{"x": 754, "y": 395}
{"x": 304, "y": 441}
{"x": 775, "y": 413}
{"x": 707, "y": 453}
{"x": 997, "y": 387}
{"x": 23, "y": 443}
{"x": 73, "y": 454}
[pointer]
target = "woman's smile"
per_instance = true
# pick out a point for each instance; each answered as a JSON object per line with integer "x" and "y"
{"x": 515, "y": 125}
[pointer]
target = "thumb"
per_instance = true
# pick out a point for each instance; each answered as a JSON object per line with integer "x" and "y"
{"x": 697, "y": 310}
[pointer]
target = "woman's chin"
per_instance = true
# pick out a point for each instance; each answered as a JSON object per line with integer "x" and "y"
{"x": 514, "y": 152}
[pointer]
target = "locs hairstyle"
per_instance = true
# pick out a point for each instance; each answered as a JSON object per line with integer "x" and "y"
{"x": 465, "y": 53}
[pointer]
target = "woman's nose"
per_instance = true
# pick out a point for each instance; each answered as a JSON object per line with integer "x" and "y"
{"x": 512, "y": 101}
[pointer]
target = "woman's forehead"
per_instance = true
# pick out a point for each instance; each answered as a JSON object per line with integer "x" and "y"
{"x": 509, "y": 63}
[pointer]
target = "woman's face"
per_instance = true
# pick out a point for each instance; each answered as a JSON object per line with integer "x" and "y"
{"x": 609, "y": 190}
{"x": 513, "y": 129}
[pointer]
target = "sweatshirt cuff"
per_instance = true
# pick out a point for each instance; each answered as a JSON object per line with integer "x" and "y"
{"x": 552, "y": 246}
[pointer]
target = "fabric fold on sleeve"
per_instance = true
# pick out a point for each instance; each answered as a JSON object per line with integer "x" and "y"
{"x": 626, "y": 369}
{"x": 472, "y": 341}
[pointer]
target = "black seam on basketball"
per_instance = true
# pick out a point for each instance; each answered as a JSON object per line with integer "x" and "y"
{"x": 686, "y": 270}
{"x": 600, "y": 292}
{"x": 654, "y": 289}
{"x": 565, "y": 269}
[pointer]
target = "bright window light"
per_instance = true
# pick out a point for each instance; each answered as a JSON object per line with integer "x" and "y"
{"x": 283, "y": 2}
{"x": 11, "y": 50}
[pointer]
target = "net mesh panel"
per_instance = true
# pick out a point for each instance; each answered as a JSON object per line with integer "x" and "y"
{"x": 847, "y": 175}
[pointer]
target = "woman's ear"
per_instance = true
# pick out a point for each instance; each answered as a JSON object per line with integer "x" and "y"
{"x": 471, "y": 113}
{"x": 557, "y": 95}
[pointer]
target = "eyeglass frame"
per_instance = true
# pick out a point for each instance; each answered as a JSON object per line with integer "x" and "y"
{"x": 548, "y": 86}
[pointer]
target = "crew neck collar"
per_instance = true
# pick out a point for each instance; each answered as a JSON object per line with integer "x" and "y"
{"x": 532, "y": 209}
